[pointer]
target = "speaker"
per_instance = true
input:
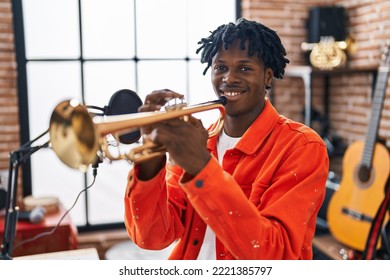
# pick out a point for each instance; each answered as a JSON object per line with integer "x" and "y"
{"x": 326, "y": 21}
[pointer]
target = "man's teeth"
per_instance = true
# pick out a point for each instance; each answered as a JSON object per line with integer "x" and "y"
{"x": 232, "y": 93}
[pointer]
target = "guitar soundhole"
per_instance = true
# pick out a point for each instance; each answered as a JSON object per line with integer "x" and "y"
{"x": 364, "y": 173}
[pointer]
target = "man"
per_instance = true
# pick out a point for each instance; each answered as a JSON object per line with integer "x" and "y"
{"x": 254, "y": 191}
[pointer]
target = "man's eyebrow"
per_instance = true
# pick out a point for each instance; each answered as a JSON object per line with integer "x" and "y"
{"x": 239, "y": 61}
{"x": 247, "y": 61}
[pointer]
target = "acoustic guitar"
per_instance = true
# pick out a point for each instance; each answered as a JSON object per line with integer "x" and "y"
{"x": 366, "y": 169}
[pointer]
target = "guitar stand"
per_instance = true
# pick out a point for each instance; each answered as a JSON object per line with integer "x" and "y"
{"x": 377, "y": 229}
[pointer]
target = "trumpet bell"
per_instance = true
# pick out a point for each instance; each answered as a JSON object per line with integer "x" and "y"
{"x": 73, "y": 135}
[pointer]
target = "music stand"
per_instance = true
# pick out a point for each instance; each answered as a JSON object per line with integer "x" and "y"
{"x": 17, "y": 158}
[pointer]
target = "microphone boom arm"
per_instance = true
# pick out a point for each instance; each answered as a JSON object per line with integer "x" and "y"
{"x": 17, "y": 158}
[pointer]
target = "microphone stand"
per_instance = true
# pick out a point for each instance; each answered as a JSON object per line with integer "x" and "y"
{"x": 17, "y": 158}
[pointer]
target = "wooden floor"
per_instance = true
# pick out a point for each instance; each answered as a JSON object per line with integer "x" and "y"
{"x": 116, "y": 245}
{"x": 102, "y": 240}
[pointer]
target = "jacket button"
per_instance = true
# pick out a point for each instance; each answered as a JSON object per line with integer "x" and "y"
{"x": 195, "y": 242}
{"x": 199, "y": 183}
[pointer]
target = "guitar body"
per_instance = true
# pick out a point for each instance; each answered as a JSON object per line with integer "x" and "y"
{"x": 357, "y": 200}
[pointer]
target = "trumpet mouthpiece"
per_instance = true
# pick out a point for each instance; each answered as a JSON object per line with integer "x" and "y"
{"x": 223, "y": 100}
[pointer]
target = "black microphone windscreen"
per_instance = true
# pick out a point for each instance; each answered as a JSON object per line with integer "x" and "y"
{"x": 125, "y": 101}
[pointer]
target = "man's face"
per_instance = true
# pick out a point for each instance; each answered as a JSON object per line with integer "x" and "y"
{"x": 241, "y": 79}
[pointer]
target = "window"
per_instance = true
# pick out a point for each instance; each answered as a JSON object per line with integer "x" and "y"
{"x": 89, "y": 49}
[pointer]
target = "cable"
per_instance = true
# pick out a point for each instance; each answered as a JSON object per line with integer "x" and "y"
{"x": 62, "y": 218}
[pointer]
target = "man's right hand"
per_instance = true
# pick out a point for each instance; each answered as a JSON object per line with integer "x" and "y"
{"x": 153, "y": 102}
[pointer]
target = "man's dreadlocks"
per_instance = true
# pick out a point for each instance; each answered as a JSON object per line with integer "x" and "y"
{"x": 263, "y": 42}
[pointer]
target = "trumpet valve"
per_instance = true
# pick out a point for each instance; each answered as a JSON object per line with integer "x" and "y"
{"x": 145, "y": 152}
{"x": 176, "y": 106}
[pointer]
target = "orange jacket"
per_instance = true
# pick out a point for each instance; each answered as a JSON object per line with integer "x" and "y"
{"x": 278, "y": 165}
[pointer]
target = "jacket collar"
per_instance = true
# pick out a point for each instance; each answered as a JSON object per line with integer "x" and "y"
{"x": 258, "y": 131}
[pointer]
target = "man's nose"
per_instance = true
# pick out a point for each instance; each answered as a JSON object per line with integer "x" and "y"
{"x": 230, "y": 77}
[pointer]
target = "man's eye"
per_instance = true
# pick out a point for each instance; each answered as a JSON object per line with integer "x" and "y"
{"x": 245, "y": 68}
{"x": 219, "y": 68}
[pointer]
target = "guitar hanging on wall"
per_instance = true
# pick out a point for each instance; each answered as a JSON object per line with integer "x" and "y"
{"x": 366, "y": 169}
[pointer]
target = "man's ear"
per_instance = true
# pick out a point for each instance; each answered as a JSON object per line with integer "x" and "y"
{"x": 268, "y": 77}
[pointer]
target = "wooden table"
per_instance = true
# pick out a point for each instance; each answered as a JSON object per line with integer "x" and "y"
{"x": 61, "y": 239}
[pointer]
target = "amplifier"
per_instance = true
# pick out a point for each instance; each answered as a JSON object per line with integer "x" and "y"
{"x": 326, "y": 21}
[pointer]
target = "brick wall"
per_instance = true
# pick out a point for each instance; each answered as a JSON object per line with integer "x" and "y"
{"x": 9, "y": 120}
{"x": 350, "y": 93}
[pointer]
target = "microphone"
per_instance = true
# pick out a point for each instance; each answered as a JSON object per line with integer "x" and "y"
{"x": 35, "y": 216}
{"x": 124, "y": 101}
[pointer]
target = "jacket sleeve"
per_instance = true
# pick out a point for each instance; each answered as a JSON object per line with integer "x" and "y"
{"x": 282, "y": 223}
{"x": 152, "y": 220}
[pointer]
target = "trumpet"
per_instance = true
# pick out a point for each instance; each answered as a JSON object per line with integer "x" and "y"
{"x": 79, "y": 138}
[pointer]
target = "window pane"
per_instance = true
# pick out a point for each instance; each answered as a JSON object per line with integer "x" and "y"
{"x": 51, "y": 29}
{"x": 106, "y": 196}
{"x": 200, "y": 88}
{"x": 104, "y": 78}
{"x": 154, "y": 75}
{"x": 48, "y": 84}
{"x": 50, "y": 177}
{"x": 203, "y": 18}
{"x": 161, "y": 29}
{"x": 108, "y": 29}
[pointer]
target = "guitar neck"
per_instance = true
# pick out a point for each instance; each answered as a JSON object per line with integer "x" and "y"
{"x": 376, "y": 110}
